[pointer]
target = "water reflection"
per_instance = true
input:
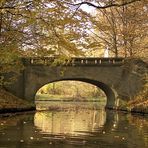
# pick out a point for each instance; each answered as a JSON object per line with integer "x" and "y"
{"x": 76, "y": 127}
{"x": 70, "y": 122}
{"x": 66, "y": 105}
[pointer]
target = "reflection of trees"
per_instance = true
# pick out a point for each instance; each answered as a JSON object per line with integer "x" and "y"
{"x": 71, "y": 89}
{"x": 141, "y": 126}
{"x": 70, "y": 122}
{"x": 68, "y": 105}
{"x": 132, "y": 130}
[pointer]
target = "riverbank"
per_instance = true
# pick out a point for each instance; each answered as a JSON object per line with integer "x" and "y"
{"x": 140, "y": 103}
{"x": 134, "y": 106}
{"x": 56, "y": 97}
{"x": 10, "y": 103}
{"x": 139, "y": 107}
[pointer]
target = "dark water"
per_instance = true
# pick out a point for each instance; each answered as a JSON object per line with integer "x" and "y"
{"x": 72, "y": 128}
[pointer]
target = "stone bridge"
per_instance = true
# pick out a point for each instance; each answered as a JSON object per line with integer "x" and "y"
{"x": 109, "y": 74}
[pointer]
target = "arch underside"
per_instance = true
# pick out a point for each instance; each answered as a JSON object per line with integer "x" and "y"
{"x": 110, "y": 94}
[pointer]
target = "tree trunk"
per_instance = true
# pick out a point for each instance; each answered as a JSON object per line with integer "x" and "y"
{"x": 1, "y": 17}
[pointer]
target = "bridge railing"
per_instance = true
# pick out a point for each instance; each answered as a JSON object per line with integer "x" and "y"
{"x": 97, "y": 61}
{"x": 73, "y": 61}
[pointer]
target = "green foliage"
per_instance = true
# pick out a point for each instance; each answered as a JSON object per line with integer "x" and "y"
{"x": 72, "y": 89}
{"x": 10, "y": 66}
{"x": 37, "y": 28}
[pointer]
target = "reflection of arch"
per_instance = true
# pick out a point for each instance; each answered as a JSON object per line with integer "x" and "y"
{"x": 110, "y": 94}
{"x": 71, "y": 122}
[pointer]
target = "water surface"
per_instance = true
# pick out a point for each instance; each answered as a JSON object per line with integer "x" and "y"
{"x": 75, "y": 127}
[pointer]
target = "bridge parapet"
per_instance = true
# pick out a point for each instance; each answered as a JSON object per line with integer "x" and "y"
{"x": 74, "y": 61}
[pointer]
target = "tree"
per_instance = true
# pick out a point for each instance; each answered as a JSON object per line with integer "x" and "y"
{"x": 122, "y": 29}
{"x": 37, "y": 28}
{"x": 103, "y": 4}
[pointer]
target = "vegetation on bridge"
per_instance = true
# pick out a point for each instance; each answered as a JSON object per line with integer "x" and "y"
{"x": 140, "y": 102}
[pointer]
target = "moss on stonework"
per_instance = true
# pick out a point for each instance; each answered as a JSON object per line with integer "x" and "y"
{"x": 140, "y": 102}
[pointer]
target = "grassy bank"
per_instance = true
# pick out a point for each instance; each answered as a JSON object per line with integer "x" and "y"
{"x": 10, "y": 103}
{"x": 67, "y": 97}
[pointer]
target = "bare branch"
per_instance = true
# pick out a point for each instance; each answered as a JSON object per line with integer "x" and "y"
{"x": 75, "y": 11}
{"x": 106, "y": 6}
{"x": 6, "y": 7}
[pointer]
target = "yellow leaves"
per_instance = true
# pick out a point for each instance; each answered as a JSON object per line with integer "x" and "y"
{"x": 94, "y": 44}
{"x": 68, "y": 47}
{"x": 7, "y": 100}
{"x": 40, "y": 28}
{"x": 65, "y": 21}
{"x": 51, "y": 10}
{"x": 2, "y": 2}
{"x": 45, "y": 51}
{"x": 9, "y": 60}
{"x": 40, "y": 22}
{"x": 2, "y": 11}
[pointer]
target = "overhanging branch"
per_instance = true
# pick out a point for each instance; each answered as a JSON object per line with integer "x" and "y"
{"x": 3, "y": 8}
{"x": 105, "y": 6}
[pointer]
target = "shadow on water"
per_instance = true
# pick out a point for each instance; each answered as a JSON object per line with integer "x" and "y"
{"x": 76, "y": 127}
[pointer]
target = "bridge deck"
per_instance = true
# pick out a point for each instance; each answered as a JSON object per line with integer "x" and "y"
{"x": 73, "y": 61}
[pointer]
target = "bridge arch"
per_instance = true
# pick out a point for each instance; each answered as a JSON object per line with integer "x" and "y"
{"x": 120, "y": 84}
{"x": 109, "y": 92}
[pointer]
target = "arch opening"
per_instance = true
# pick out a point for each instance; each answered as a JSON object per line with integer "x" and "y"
{"x": 108, "y": 92}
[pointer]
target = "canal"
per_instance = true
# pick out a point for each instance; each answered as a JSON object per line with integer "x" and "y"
{"x": 80, "y": 125}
